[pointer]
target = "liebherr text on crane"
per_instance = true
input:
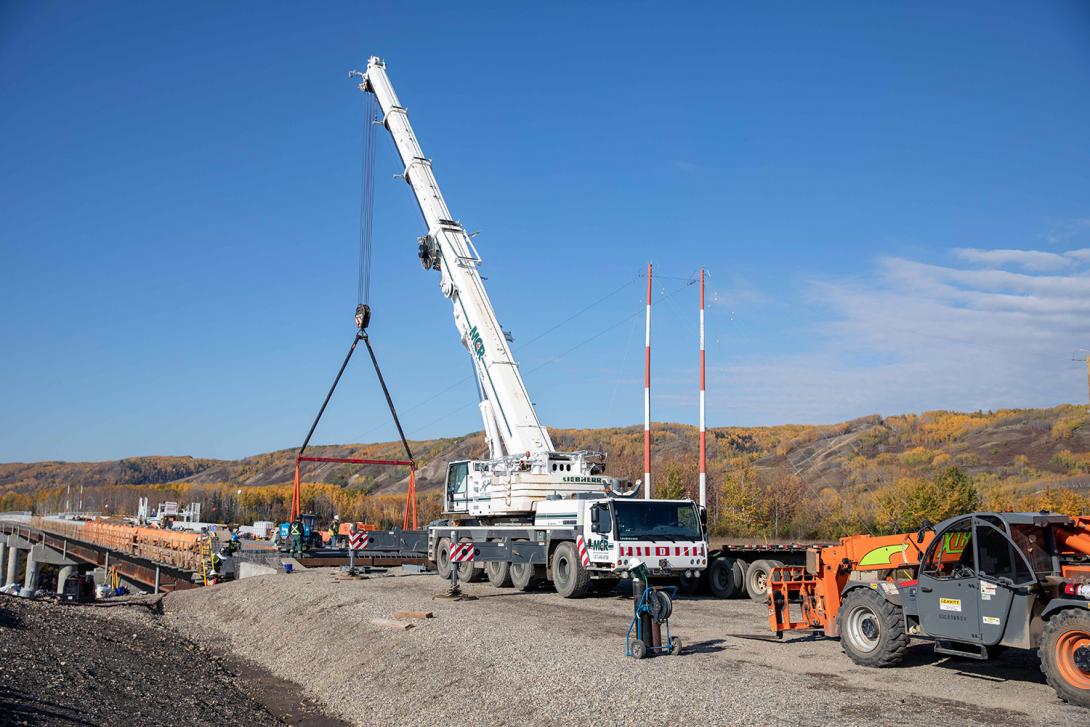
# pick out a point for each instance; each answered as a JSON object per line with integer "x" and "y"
{"x": 533, "y": 513}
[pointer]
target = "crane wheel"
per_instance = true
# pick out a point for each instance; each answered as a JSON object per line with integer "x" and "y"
{"x": 757, "y": 578}
{"x": 468, "y": 572}
{"x": 726, "y": 578}
{"x": 498, "y": 573}
{"x": 1065, "y": 656}
{"x": 524, "y": 576}
{"x": 872, "y": 630}
{"x": 571, "y": 579}
{"x": 442, "y": 558}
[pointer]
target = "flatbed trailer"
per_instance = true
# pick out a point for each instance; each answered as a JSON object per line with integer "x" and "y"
{"x": 741, "y": 569}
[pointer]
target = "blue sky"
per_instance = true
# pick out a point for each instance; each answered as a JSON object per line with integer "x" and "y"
{"x": 892, "y": 202}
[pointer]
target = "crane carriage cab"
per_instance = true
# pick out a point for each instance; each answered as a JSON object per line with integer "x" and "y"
{"x": 511, "y": 485}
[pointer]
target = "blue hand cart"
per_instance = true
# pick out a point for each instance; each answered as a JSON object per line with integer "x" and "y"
{"x": 652, "y": 614}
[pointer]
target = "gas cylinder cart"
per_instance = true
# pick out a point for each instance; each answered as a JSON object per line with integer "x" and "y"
{"x": 653, "y": 608}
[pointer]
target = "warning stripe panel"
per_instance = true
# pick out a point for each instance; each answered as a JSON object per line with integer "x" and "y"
{"x": 636, "y": 550}
{"x": 461, "y": 552}
{"x": 581, "y": 546}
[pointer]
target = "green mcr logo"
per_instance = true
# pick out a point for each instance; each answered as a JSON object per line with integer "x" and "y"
{"x": 476, "y": 343}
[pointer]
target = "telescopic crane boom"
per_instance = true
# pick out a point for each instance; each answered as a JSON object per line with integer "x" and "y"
{"x": 524, "y": 469}
{"x": 511, "y": 424}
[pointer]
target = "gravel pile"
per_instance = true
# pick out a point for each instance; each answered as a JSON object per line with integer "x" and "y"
{"x": 518, "y": 658}
{"x": 80, "y": 665}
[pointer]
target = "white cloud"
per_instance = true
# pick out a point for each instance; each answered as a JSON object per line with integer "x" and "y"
{"x": 1027, "y": 259}
{"x": 916, "y": 336}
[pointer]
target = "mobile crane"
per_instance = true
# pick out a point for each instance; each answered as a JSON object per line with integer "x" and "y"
{"x": 533, "y": 513}
{"x": 972, "y": 585}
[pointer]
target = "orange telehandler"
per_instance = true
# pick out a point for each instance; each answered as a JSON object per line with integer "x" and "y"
{"x": 972, "y": 585}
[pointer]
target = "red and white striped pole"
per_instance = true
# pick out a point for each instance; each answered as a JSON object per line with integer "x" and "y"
{"x": 647, "y": 395}
{"x": 703, "y": 451}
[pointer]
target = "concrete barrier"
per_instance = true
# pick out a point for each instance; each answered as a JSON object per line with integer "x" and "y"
{"x": 247, "y": 569}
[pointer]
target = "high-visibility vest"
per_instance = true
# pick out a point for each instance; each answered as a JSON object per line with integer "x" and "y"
{"x": 296, "y": 530}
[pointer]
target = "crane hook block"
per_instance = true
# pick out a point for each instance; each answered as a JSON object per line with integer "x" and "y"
{"x": 363, "y": 316}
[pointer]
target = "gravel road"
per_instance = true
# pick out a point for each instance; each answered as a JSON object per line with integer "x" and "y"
{"x": 516, "y": 658}
{"x": 81, "y": 665}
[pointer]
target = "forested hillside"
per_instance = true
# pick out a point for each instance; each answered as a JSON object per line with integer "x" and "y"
{"x": 790, "y": 481}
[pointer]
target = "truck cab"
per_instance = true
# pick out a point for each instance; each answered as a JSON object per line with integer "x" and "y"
{"x": 665, "y": 535}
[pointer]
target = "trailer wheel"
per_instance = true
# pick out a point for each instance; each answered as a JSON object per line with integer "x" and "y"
{"x": 569, "y": 576}
{"x": 757, "y": 578}
{"x": 1065, "y": 656}
{"x": 872, "y": 630}
{"x": 725, "y": 577}
{"x": 498, "y": 573}
{"x": 442, "y": 558}
{"x": 639, "y": 649}
{"x": 524, "y": 576}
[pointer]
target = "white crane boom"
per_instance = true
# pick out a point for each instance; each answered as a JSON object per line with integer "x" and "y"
{"x": 510, "y": 422}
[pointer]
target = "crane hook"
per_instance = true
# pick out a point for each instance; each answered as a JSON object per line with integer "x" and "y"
{"x": 363, "y": 316}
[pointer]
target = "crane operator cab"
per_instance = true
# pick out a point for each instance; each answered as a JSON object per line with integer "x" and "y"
{"x": 457, "y": 489}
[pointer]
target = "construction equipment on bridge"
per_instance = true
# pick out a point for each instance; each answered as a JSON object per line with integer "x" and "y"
{"x": 162, "y": 560}
{"x": 972, "y": 585}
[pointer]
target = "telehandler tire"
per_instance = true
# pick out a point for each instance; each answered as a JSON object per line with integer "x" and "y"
{"x": 725, "y": 578}
{"x": 442, "y": 558}
{"x": 569, "y": 576}
{"x": 757, "y": 578}
{"x": 1065, "y": 656}
{"x": 872, "y": 630}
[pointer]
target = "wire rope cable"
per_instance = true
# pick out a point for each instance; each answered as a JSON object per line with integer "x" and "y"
{"x": 367, "y": 201}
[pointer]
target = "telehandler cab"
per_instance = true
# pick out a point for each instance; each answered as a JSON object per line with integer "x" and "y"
{"x": 973, "y": 585}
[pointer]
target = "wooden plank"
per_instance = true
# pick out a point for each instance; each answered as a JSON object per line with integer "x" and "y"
{"x": 391, "y": 624}
{"x": 405, "y": 615}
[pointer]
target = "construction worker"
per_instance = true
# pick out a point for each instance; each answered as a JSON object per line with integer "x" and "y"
{"x": 334, "y": 531}
{"x": 234, "y": 544}
{"x": 295, "y": 535}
